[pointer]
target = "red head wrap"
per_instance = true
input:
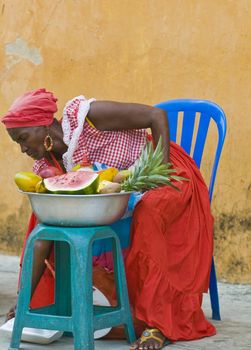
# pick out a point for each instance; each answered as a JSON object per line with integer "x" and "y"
{"x": 35, "y": 108}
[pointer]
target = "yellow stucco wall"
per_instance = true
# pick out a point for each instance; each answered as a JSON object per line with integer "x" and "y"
{"x": 140, "y": 51}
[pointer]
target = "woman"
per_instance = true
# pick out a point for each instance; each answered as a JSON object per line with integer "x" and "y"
{"x": 169, "y": 258}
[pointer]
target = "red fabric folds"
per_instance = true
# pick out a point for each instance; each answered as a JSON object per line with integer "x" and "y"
{"x": 169, "y": 259}
{"x": 34, "y": 108}
{"x": 168, "y": 265}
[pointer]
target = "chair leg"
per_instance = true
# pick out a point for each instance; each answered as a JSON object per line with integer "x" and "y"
{"x": 23, "y": 297}
{"x": 213, "y": 290}
{"x": 121, "y": 289}
{"x": 82, "y": 300}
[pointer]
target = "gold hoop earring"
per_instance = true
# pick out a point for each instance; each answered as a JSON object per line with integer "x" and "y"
{"x": 48, "y": 143}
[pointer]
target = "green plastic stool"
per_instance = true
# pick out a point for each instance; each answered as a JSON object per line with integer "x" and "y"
{"x": 73, "y": 310}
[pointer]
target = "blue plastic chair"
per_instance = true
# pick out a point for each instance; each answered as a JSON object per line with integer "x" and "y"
{"x": 208, "y": 111}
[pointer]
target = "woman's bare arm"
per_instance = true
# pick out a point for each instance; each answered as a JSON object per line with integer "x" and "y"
{"x": 108, "y": 115}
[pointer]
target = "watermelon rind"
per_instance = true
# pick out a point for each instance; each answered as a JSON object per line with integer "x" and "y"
{"x": 89, "y": 186}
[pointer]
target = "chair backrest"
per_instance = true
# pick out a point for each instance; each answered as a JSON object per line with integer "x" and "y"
{"x": 208, "y": 111}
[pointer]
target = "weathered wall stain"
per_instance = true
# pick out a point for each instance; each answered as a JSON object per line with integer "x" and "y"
{"x": 21, "y": 51}
{"x": 233, "y": 246}
{"x": 13, "y": 229}
{"x": 228, "y": 222}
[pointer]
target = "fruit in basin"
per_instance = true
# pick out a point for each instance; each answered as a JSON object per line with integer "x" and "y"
{"x": 27, "y": 181}
{"x": 40, "y": 187}
{"x": 76, "y": 182}
{"x": 79, "y": 167}
{"x": 108, "y": 187}
{"x": 121, "y": 176}
{"x": 107, "y": 174}
{"x": 50, "y": 171}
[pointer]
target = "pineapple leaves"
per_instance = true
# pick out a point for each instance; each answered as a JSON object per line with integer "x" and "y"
{"x": 149, "y": 171}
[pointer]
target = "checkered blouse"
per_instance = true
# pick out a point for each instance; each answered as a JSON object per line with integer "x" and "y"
{"x": 119, "y": 149}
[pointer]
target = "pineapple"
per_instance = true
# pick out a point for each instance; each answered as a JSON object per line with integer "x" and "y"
{"x": 149, "y": 171}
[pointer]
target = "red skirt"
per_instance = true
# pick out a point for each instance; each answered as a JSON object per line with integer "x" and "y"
{"x": 169, "y": 258}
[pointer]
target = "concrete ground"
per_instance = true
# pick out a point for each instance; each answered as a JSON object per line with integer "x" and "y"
{"x": 234, "y": 331}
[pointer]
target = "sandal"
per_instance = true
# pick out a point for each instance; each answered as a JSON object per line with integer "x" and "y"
{"x": 152, "y": 334}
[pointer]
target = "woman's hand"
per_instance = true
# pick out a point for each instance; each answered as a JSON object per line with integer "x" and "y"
{"x": 108, "y": 115}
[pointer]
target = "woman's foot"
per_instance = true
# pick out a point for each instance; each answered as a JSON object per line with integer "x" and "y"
{"x": 11, "y": 313}
{"x": 150, "y": 339}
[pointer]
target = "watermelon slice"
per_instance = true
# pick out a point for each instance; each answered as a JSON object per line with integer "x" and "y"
{"x": 80, "y": 182}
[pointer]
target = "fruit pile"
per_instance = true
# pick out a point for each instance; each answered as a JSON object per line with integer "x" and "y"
{"x": 73, "y": 182}
{"x": 148, "y": 172}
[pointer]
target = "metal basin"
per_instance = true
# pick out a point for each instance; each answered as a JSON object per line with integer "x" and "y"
{"x": 78, "y": 210}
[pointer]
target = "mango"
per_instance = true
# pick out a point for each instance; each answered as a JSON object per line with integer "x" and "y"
{"x": 107, "y": 174}
{"x": 27, "y": 181}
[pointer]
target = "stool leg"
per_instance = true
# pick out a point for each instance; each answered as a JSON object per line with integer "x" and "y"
{"x": 121, "y": 289}
{"x": 82, "y": 297}
{"x": 62, "y": 278}
{"x": 23, "y": 297}
{"x": 16, "y": 333}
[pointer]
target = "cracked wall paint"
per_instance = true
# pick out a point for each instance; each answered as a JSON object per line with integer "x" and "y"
{"x": 19, "y": 50}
